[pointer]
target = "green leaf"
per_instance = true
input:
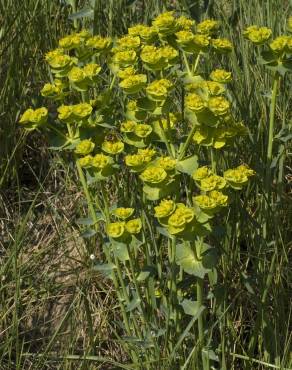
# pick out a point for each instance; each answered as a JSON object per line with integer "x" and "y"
{"x": 146, "y": 104}
{"x": 133, "y": 304}
{"x": 191, "y": 307}
{"x": 188, "y": 165}
{"x": 106, "y": 269}
{"x": 88, "y": 233}
{"x": 57, "y": 142}
{"x": 120, "y": 250}
{"x": 194, "y": 265}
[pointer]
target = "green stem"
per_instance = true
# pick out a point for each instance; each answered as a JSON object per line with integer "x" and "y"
{"x": 213, "y": 160}
{"x": 195, "y": 66}
{"x": 271, "y": 130}
{"x": 165, "y": 139}
{"x": 185, "y": 59}
{"x": 187, "y": 142}
{"x": 200, "y": 283}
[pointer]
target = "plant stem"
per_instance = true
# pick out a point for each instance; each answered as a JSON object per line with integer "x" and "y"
{"x": 187, "y": 64}
{"x": 165, "y": 139}
{"x": 201, "y": 322}
{"x": 188, "y": 141}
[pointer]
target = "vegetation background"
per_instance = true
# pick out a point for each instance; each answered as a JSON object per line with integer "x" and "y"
{"x": 51, "y": 302}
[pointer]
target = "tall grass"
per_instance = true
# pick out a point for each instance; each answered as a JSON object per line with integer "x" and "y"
{"x": 55, "y": 313}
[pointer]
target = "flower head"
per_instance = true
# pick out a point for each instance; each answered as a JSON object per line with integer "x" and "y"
{"x": 112, "y": 147}
{"x": 159, "y": 89}
{"x": 134, "y": 83}
{"x": 134, "y": 226}
{"x": 123, "y": 213}
{"x": 129, "y": 42}
{"x": 221, "y": 76}
{"x": 222, "y": 45}
{"x": 218, "y": 105}
{"x": 153, "y": 175}
{"x": 115, "y": 229}
{"x": 32, "y": 119}
{"x": 257, "y": 35}
{"x": 165, "y": 208}
{"x": 195, "y": 103}
{"x": 165, "y": 23}
{"x": 208, "y": 27}
{"x": 99, "y": 43}
{"x": 84, "y": 147}
{"x": 100, "y": 161}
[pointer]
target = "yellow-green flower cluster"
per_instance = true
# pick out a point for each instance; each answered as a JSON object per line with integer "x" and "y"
{"x": 123, "y": 213}
{"x": 84, "y": 147}
{"x": 212, "y": 201}
{"x": 238, "y": 177}
{"x": 159, "y": 89}
{"x": 208, "y": 27}
{"x": 218, "y": 137}
{"x": 77, "y": 112}
{"x": 112, "y": 147}
{"x": 190, "y": 42}
{"x": 222, "y": 45}
{"x": 34, "y": 118}
{"x": 99, "y": 44}
{"x": 121, "y": 229}
{"x": 134, "y": 83}
{"x": 125, "y": 58}
{"x": 257, "y": 35}
{"x": 137, "y": 162}
{"x": 55, "y": 90}
{"x": 146, "y": 33}
{"x": 59, "y": 62}
{"x": 175, "y": 217}
{"x": 207, "y": 180}
{"x": 157, "y": 58}
{"x": 129, "y": 42}
{"x": 83, "y": 77}
{"x": 221, "y": 76}
{"x": 153, "y": 175}
{"x": 281, "y": 44}
{"x": 165, "y": 23}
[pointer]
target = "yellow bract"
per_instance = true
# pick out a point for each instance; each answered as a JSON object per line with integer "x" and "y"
{"x": 179, "y": 218}
{"x": 159, "y": 89}
{"x": 222, "y": 45}
{"x": 127, "y": 72}
{"x": 71, "y": 41}
{"x": 32, "y": 119}
{"x": 142, "y": 130}
{"x": 153, "y": 175}
{"x": 278, "y": 45}
{"x": 257, "y": 35}
{"x": 184, "y": 23}
{"x": 167, "y": 163}
{"x": 84, "y": 147}
{"x": 221, "y": 76}
{"x": 123, "y": 213}
{"x": 165, "y": 23}
{"x": 85, "y": 161}
{"x": 115, "y": 229}
{"x": 100, "y": 161}
{"x": 134, "y": 83}
{"x": 112, "y": 147}
{"x": 212, "y": 182}
{"x": 195, "y": 103}
{"x": 165, "y": 208}
{"x": 128, "y": 42}
{"x": 134, "y": 226}
{"x": 218, "y": 105}
{"x": 208, "y": 27}
{"x": 201, "y": 173}
{"x": 128, "y": 126}
{"x": 99, "y": 43}
{"x": 125, "y": 58}
{"x": 238, "y": 177}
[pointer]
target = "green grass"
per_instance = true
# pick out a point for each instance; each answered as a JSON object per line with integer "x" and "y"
{"x": 55, "y": 312}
